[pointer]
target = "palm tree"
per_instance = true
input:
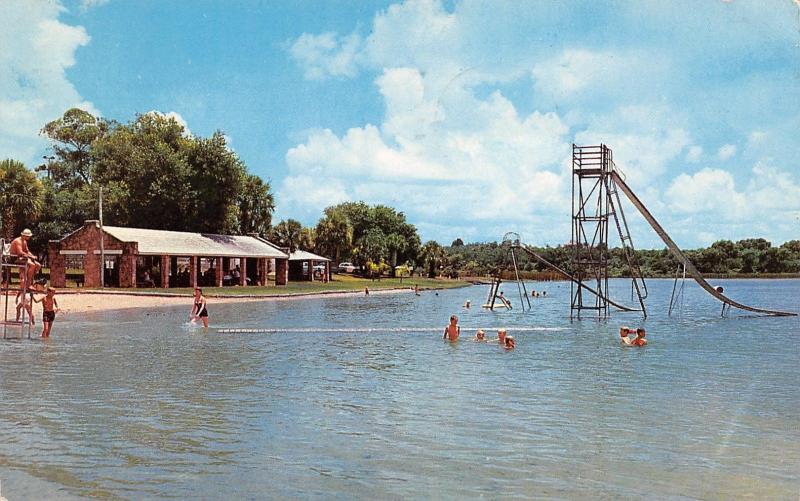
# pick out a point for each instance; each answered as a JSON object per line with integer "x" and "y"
{"x": 287, "y": 234}
{"x": 20, "y": 197}
{"x": 432, "y": 255}
{"x": 395, "y": 244}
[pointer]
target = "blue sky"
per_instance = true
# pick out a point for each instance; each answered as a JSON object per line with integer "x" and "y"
{"x": 459, "y": 114}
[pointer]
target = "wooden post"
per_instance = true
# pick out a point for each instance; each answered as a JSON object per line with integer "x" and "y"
{"x": 220, "y": 272}
{"x": 243, "y": 271}
{"x": 193, "y": 271}
{"x": 165, "y": 272}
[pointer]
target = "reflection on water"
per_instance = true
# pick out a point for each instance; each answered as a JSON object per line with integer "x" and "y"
{"x": 359, "y": 397}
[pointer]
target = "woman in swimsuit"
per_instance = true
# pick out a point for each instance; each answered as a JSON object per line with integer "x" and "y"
{"x": 199, "y": 308}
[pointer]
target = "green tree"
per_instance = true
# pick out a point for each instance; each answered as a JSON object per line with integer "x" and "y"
{"x": 334, "y": 236}
{"x": 432, "y": 255}
{"x": 21, "y": 197}
{"x": 287, "y": 234}
{"x": 73, "y": 136}
{"x": 256, "y": 206}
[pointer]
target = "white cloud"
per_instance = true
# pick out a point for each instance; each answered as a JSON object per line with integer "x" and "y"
{"x": 694, "y": 154}
{"x": 709, "y": 190}
{"x": 37, "y": 49}
{"x": 727, "y": 151}
{"x": 326, "y": 54}
{"x": 90, "y": 4}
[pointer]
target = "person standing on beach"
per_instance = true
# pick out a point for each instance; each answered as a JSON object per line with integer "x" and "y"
{"x": 199, "y": 308}
{"x": 19, "y": 248}
{"x": 50, "y": 307}
{"x": 452, "y": 331}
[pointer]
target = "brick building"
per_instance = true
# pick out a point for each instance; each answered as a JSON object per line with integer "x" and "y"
{"x": 136, "y": 257}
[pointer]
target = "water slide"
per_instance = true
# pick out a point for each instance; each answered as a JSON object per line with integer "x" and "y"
{"x": 676, "y": 251}
{"x": 566, "y": 275}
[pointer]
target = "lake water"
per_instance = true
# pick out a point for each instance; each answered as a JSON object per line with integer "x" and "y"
{"x": 128, "y": 405}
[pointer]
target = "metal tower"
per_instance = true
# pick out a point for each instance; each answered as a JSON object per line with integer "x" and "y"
{"x": 595, "y": 202}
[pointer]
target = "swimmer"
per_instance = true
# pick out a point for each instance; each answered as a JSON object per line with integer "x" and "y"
{"x": 501, "y": 337}
{"x": 466, "y": 305}
{"x": 366, "y": 291}
{"x": 50, "y": 307}
{"x": 416, "y": 289}
{"x": 480, "y": 336}
{"x": 510, "y": 343}
{"x": 452, "y": 331}
{"x": 199, "y": 308}
{"x": 544, "y": 293}
{"x": 640, "y": 340}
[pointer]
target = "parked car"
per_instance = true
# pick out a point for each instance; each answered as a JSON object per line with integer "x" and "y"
{"x": 346, "y": 268}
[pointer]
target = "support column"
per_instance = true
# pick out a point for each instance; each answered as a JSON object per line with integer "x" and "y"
{"x": 193, "y": 271}
{"x": 165, "y": 272}
{"x": 243, "y": 271}
{"x": 281, "y": 271}
{"x": 58, "y": 271}
{"x": 220, "y": 273}
{"x": 262, "y": 271}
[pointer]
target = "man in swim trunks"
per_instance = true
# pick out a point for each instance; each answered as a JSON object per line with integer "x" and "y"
{"x": 452, "y": 331}
{"x": 50, "y": 306}
{"x": 199, "y": 308}
{"x": 19, "y": 248}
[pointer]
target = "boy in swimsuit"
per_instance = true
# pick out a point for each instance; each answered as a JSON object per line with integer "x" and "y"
{"x": 501, "y": 337}
{"x": 199, "y": 308}
{"x": 452, "y": 331}
{"x": 510, "y": 343}
{"x": 50, "y": 307}
{"x": 480, "y": 336}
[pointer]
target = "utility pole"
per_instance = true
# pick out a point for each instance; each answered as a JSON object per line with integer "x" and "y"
{"x": 102, "y": 249}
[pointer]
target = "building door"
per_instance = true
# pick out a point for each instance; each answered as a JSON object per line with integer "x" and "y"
{"x": 111, "y": 271}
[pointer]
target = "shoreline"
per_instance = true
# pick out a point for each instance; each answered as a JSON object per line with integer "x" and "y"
{"x": 104, "y": 301}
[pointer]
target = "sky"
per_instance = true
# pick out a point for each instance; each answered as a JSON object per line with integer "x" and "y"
{"x": 460, "y": 114}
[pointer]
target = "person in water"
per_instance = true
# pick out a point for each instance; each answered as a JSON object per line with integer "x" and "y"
{"x": 501, "y": 337}
{"x": 452, "y": 331}
{"x": 480, "y": 336}
{"x": 510, "y": 343}
{"x": 640, "y": 340}
{"x": 50, "y": 307}
{"x": 199, "y": 309}
{"x": 466, "y": 305}
{"x": 624, "y": 334}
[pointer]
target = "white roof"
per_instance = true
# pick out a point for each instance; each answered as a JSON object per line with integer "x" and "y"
{"x": 161, "y": 242}
{"x": 301, "y": 255}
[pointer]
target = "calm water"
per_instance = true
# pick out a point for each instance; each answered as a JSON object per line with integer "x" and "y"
{"x": 124, "y": 405}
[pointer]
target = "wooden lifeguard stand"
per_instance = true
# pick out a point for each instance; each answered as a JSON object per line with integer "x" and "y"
{"x": 13, "y": 329}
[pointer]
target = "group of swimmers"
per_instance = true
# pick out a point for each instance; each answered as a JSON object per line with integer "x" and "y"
{"x": 453, "y": 331}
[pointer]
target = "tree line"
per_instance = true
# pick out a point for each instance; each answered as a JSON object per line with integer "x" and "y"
{"x": 155, "y": 174}
{"x": 749, "y": 256}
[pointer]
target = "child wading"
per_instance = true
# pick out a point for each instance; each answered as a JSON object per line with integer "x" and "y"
{"x": 50, "y": 306}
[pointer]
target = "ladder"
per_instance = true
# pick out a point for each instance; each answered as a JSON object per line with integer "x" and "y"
{"x": 13, "y": 329}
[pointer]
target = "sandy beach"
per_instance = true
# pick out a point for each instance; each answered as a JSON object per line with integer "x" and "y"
{"x": 104, "y": 301}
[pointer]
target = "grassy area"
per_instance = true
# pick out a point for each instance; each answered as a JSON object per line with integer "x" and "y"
{"x": 339, "y": 283}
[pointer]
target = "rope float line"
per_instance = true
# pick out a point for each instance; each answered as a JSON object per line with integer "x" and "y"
{"x": 367, "y": 329}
